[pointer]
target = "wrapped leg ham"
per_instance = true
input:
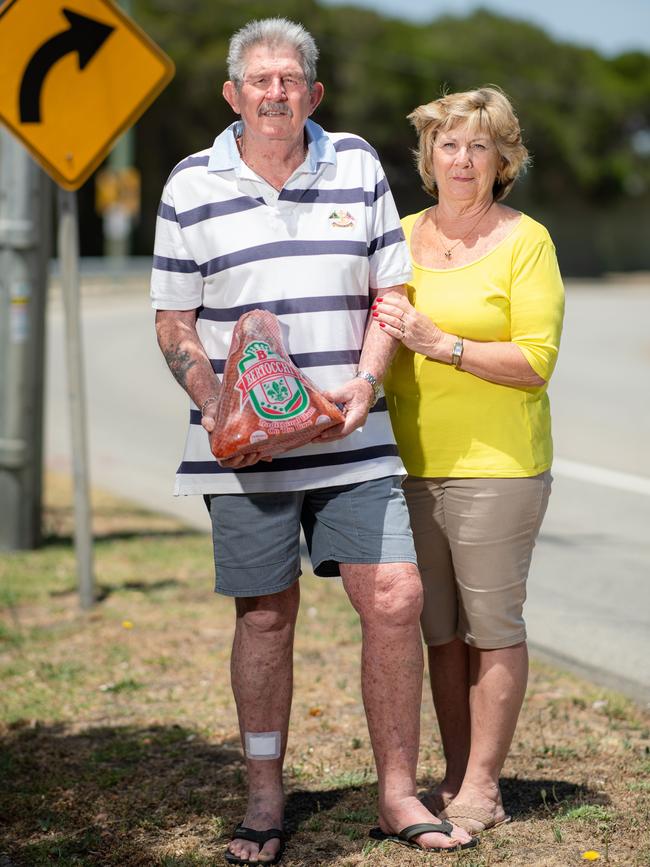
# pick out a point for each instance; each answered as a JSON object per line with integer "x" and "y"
{"x": 266, "y": 403}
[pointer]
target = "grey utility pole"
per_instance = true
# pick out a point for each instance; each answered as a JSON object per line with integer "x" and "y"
{"x": 25, "y": 226}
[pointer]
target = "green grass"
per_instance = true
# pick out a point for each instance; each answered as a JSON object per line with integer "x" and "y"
{"x": 639, "y": 786}
{"x": 587, "y": 813}
{"x": 363, "y": 816}
{"x": 189, "y": 860}
{"x": 64, "y": 850}
{"x": 558, "y": 751}
{"x": 127, "y": 685}
{"x": 350, "y": 779}
{"x": 9, "y": 636}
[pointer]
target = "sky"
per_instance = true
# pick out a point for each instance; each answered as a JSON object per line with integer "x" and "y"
{"x": 610, "y": 26}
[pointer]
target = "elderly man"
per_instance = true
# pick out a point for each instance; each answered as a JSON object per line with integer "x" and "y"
{"x": 281, "y": 215}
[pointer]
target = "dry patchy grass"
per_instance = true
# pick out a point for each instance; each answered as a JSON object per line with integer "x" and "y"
{"x": 119, "y": 741}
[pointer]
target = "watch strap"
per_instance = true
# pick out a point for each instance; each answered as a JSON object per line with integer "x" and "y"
{"x": 376, "y": 388}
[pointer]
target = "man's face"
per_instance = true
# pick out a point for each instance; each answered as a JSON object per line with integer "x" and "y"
{"x": 274, "y": 101}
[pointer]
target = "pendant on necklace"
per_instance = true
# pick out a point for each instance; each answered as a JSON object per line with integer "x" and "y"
{"x": 447, "y": 254}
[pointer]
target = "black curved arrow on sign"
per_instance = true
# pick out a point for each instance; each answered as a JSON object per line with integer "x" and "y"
{"x": 85, "y": 36}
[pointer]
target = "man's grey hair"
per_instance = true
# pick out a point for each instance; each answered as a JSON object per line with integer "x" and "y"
{"x": 272, "y": 32}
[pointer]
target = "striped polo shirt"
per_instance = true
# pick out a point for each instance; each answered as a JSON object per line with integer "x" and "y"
{"x": 228, "y": 242}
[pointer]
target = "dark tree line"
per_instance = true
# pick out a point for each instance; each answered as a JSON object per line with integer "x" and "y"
{"x": 586, "y": 118}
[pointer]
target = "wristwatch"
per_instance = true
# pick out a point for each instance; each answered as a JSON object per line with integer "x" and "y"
{"x": 457, "y": 352}
{"x": 376, "y": 388}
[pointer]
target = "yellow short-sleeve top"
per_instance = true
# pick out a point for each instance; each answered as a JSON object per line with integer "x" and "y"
{"x": 451, "y": 423}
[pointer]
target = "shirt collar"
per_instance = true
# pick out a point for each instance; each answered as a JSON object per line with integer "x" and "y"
{"x": 320, "y": 148}
{"x": 224, "y": 155}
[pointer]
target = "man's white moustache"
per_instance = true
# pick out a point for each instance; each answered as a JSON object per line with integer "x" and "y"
{"x": 276, "y": 107}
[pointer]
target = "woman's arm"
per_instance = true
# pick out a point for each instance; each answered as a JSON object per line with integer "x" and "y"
{"x": 496, "y": 361}
{"x": 536, "y": 310}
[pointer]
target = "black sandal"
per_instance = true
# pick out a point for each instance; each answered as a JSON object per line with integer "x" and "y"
{"x": 241, "y": 832}
{"x": 405, "y": 836}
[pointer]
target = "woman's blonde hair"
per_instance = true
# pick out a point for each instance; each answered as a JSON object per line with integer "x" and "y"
{"x": 487, "y": 110}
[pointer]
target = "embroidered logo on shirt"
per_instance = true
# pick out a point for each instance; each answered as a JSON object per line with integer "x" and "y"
{"x": 341, "y": 220}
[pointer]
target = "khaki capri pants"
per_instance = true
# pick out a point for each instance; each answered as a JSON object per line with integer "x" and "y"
{"x": 474, "y": 540}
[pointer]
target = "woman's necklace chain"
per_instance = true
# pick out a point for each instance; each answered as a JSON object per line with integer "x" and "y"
{"x": 448, "y": 250}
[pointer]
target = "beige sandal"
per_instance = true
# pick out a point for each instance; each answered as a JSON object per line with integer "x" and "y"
{"x": 468, "y": 817}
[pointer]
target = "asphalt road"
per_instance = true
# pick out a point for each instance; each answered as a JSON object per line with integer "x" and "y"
{"x": 589, "y": 589}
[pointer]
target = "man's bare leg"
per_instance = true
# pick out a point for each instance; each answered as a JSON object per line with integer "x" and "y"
{"x": 262, "y": 682}
{"x": 388, "y": 598}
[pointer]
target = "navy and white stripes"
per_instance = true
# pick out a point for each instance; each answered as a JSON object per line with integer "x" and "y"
{"x": 279, "y": 250}
{"x": 227, "y": 243}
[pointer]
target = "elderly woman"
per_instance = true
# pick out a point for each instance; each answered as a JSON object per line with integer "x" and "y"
{"x": 467, "y": 396}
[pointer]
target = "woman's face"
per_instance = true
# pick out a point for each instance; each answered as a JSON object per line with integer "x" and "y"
{"x": 465, "y": 164}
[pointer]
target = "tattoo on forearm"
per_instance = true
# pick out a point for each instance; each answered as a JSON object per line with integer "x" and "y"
{"x": 180, "y": 363}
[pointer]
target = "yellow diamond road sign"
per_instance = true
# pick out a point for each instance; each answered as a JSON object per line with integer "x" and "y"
{"x": 73, "y": 77}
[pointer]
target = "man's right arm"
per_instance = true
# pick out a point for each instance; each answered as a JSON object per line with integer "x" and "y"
{"x": 191, "y": 368}
{"x": 186, "y": 357}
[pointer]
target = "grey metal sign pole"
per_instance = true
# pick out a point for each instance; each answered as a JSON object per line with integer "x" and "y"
{"x": 68, "y": 250}
{"x": 24, "y": 243}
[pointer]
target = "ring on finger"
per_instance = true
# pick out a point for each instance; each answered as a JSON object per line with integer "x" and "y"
{"x": 402, "y": 327}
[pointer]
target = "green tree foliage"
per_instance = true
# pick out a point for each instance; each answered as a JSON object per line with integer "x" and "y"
{"x": 586, "y": 118}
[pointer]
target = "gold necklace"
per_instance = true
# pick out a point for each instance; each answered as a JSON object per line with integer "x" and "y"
{"x": 448, "y": 250}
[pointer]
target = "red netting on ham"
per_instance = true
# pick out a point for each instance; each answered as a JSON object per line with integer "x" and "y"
{"x": 266, "y": 403}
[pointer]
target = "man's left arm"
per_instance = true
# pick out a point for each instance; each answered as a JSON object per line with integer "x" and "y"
{"x": 357, "y": 395}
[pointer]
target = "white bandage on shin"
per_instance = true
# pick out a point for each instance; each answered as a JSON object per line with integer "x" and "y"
{"x": 262, "y": 745}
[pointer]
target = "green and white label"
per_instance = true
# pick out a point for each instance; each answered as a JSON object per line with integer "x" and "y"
{"x": 270, "y": 384}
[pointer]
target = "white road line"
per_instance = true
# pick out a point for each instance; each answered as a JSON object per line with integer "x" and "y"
{"x": 601, "y": 476}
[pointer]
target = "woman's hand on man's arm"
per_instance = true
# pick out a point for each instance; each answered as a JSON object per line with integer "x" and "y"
{"x": 397, "y": 316}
